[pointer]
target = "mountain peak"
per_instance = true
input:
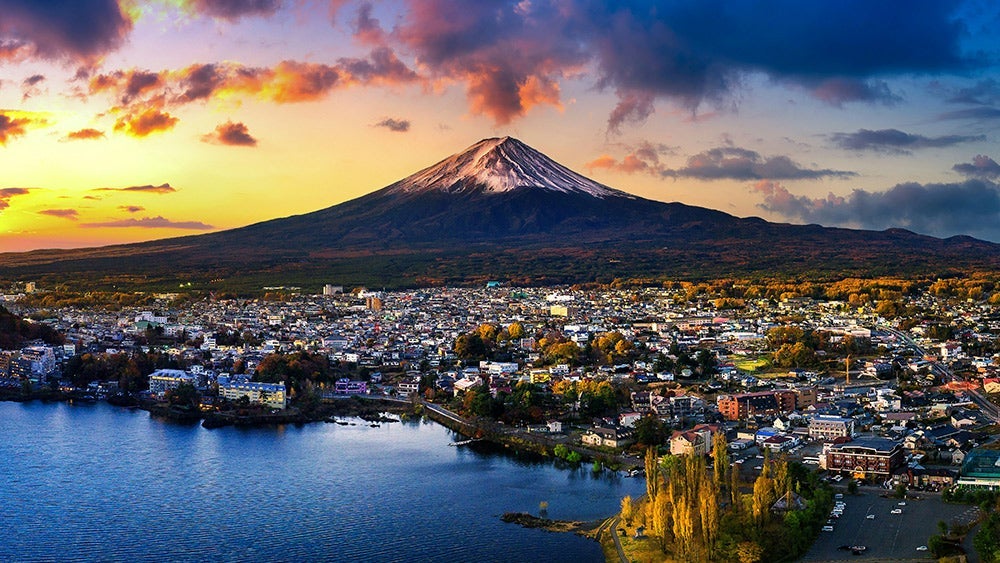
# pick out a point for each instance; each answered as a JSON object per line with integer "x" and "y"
{"x": 498, "y": 165}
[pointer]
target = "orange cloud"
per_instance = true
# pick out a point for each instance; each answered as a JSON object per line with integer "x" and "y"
{"x": 145, "y": 122}
{"x": 232, "y": 134}
{"x": 148, "y": 188}
{"x": 84, "y": 135}
{"x": 16, "y": 123}
{"x": 71, "y": 214}
{"x": 287, "y": 82}
{"x": 6, "y": 194}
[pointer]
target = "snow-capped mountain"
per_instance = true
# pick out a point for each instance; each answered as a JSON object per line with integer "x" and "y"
{"x": 502, "y": 210}
{"x": 501, "y": 165}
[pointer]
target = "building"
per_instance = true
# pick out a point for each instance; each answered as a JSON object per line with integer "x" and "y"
{"x": 410, "y": 386}
{"x": 827, "y": 427}
{"x": 270, "y": 394}
{"x": 980, "y": 470}
{"x": 868, "y": 458}
{"x": 163, "y": 380}
{"x": 330, "y": 289}
{"x": 608, "y": 437}
{"x": 744, "y": 405}
{"x": 348, "y": 387}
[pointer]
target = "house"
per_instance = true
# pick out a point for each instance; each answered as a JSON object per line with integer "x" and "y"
{"x": 608, "y": 437}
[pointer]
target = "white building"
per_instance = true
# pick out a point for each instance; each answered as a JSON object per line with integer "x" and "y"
{"x": 270, "y": 394}
{"x": 163, "y": 380}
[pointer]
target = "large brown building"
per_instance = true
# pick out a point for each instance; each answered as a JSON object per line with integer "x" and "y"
{"x": 868, "y": 458}
{"x": 736, "y": 407}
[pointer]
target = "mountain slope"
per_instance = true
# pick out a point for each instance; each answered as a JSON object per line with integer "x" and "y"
{"x": 501, "y": 209}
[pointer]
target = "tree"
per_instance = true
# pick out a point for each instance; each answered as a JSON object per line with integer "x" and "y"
{"x": 650, "y": 431}
{"x": 470, "y": 347}
{"x": 184, "y": 395}
{"x": 852, "y": 487}
{"x": 749, "y": 552}
{"x": 628, "y": 510}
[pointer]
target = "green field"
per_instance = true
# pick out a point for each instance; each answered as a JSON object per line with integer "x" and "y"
{"x": 751, "y": 365}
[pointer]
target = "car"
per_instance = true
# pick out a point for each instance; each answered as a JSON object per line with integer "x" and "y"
{"x": 895, "y": 511}
{"x": 827, "y": 528}
{"x": 922, "y": 548}
{"x": 870, "y": 517}
{"x": 901, "y": 504}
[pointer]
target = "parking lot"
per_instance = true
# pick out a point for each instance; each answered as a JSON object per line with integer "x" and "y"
{"x": 886, "y": 535}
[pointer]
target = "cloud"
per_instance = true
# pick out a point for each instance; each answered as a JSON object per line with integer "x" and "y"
{"x": 971, "y": 207}
{"x": 510, "y": 56}
{"x": 286, "y": 82}
{"x": 978, "y": 113}
{"x": 157, "y": 222}
{"x": 232, "y": 134}
{"x": 77, "y": 30}
{"x": 367, "y": 30}
{"x": 982, "y": 167}
{"x": 145, "y": 122}
{"x": 148, "y": 188}
{"x": 132, "y": 208}
{"x": 11, "y": 127}
{"x": 633, "y": 107}
{"x": 7, "y": 194}
{"x": 397, "y": 125}
{"x": 233, "y": 10}
{"x": 743, "y": 164}
{"x": 896, "y": 141}
{"x": 984, "y": 92}
{"x": 29, "y": 87}
{"x": 839, "y": 91}
{"x": 84, "y": 135}
{"x": 71, "y": 214}
{"x": 642, "y": 158}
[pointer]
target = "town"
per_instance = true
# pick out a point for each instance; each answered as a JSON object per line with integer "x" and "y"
{"x": 879, "y": 384}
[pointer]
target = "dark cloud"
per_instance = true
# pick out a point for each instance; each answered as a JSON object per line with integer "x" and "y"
{"x": 896, "y": 141}
{"x": 693, "y": 52}
{"x": 984, "y": 92}
{"x": 982, "y": 167}
{"x": 84, "y": 135}
{"x": 148, "y": 188}
{"x": 132, "y": 208}
{"x": 397, "y": 125}
{"x": 234, "y": 9}
{"x": 367, "y": 29}
{"x": 71, "y": 214}
{"x": 510, "y": 56}
{"x": 232, "y": 134}
{"x": 971, "y": 208}
{"x": 81, "y": 30}
{"x": 633, "y": 107}
{"x": 697, "y": 51}
{"x": 157, "y": 222}
{"x": 839, "y": 91}
{"x": 736, "y": 163}
{"x": 978, "y": 113}
{"x": 6, "y": 194}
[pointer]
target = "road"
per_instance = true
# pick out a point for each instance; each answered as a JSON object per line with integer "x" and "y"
{"x": 985, "y": 405}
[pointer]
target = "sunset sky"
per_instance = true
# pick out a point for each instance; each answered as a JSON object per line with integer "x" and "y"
{"x": 125, "y": 120}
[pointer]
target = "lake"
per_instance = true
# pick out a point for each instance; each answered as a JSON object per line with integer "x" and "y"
{"x": 97, "y": 482}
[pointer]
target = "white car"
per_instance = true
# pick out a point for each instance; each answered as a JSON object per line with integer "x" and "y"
{"x": 870, "y": 517}
{"x": 827, "y": 528}
{"x": 901, "y": 504}
{"x": 922, "y": 548}
{"x": 896, "y": 511}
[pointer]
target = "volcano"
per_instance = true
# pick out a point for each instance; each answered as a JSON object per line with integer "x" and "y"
{"x": 503, "y": 210}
